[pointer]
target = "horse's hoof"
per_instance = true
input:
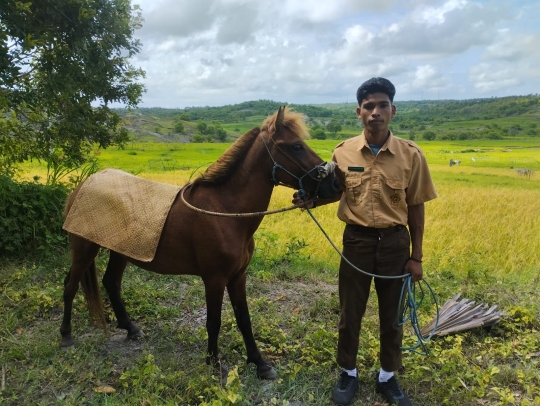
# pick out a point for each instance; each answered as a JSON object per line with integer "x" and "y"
{"x": 136, "y": 336}
{"x": 267, "y": 372}
{"x": 67, "y": 344}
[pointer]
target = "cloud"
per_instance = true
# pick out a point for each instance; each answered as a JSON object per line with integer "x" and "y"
{"x": 513, "y": 47}
{"x": 210, "y": 52}
{"x": 487, "y": 77}
{"x": 177, "y": 18}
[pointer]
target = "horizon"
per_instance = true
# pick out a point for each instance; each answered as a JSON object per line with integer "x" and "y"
{"x": 322, "y": 104}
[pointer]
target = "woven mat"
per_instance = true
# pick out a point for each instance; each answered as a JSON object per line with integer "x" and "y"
{"x": 121, "y": 212}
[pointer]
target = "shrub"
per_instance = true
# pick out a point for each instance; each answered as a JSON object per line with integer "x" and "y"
{"x": 429, "y": 135}
{"x": 318, "y": 134}
{"x": 31, "y": 217}
{"x": 179, "y": 128}
{"x": 197, "y": 138}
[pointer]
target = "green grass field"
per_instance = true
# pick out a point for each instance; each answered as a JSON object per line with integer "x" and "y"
{"x": 481, "y": 239}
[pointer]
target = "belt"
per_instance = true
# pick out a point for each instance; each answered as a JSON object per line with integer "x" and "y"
{"x": 375, "y": 231}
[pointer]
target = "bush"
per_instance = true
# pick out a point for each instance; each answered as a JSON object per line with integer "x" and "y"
{"x": 318, "y": 134}
{"x": 179, "y": 128}
{"x": 31, "y": 217}
{"x": 429, "y": 135}
{"x": 197, "y": 138}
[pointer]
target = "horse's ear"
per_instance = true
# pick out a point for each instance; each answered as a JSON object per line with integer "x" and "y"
{"x": 280, "y": 118}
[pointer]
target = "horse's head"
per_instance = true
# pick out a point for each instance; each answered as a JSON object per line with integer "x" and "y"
{"x": 296, "y": 165}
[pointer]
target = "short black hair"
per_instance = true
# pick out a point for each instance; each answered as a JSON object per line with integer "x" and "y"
{"x": 375, "y": 85}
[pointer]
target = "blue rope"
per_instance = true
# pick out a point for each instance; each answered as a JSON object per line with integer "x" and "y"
{"x": 410, "y": 311}
{"x": 410, "y": 304}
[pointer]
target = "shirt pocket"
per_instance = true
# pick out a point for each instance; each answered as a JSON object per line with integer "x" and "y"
{"x": 354, "y": 189}
{"x": 394, "y": 192}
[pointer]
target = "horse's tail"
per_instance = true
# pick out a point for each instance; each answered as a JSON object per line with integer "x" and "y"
{"x": 90, "y": 287}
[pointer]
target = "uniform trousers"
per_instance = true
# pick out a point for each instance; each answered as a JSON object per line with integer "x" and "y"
{"x": 380, "y": 252}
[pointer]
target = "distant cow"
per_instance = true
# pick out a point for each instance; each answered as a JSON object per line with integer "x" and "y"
{"x": 454, "y": 162}
{"x": 527, "y": 173}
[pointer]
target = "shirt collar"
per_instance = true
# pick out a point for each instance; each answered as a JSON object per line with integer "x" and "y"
{"x": 389, "y": 145}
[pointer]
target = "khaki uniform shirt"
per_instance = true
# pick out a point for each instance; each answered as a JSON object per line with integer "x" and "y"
{"x": 378, "y": 189}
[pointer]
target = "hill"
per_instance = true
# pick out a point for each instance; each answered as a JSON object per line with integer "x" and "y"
{"x": 473, "y": 118}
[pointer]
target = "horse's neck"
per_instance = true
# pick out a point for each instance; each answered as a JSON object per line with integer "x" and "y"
{"x": 250, "y": 187}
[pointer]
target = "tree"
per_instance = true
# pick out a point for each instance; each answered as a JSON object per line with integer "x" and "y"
{"x": 221, "y": 134}
{"x": 318, "y": 134}
{"x": 185, "y": 117}
{"x": 179, "y": 127}
{"x": 62, "y": 62}
{"x": 202, "y": 127}
{"x": 429, "y": 135}
{"x": 334, "y": 127}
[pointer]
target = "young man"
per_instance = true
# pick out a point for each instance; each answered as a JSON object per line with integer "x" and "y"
{"x": 385, "y": 183}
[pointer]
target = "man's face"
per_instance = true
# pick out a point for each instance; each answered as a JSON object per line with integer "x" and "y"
{"x": 376, "y": 111}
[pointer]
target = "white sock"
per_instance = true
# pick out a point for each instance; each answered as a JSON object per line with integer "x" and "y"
{"x": 351, "y": 372}
{"x": 385, "y": 376}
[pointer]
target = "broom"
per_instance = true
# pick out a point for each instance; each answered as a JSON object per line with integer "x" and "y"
{"x": 460, "y": 315}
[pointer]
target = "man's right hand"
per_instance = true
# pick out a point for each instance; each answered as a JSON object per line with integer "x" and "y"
{"x": 301, "y": 203}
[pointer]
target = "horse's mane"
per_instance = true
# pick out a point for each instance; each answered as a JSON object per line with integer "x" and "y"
{"x": 221, "y": 169}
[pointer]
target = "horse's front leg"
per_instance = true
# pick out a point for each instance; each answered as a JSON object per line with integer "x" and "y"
{"x": 237, "y": 294}
{"x": 214, "y": 291}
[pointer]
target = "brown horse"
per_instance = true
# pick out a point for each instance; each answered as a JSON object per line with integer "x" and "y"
{"x": 218, "y": 249}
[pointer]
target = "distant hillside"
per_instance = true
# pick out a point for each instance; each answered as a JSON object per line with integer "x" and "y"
{"x": 424, "y": 111}
{"x": 160, "y": 123}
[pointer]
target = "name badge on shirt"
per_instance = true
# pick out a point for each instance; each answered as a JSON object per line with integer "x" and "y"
{"x": 356, "y": 169}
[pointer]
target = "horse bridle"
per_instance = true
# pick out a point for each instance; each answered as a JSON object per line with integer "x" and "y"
{"x": 323, "y": 170}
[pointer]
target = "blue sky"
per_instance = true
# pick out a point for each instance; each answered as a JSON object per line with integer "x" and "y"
{"x": 217, "y": 52}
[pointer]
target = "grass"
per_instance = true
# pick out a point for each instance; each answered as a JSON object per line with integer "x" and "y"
{"x": 481, "y": 240}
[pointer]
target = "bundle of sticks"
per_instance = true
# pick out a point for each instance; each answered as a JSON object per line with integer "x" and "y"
{"x": 460, "y": 315}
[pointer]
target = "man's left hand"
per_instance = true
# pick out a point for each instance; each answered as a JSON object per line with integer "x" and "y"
{"x": 415, "y": 269}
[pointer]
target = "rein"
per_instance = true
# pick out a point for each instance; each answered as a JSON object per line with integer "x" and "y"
{"x": 236, "y": 215}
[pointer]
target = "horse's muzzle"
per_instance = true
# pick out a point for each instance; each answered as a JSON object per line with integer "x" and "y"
{"x": 329, "y": 187}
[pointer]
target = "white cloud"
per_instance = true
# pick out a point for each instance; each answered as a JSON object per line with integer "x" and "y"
{"x": 211, "y": 52}
{"x": 487, "y": 77}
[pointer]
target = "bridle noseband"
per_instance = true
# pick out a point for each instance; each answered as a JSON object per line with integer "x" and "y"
{"x": 323, "y": 170}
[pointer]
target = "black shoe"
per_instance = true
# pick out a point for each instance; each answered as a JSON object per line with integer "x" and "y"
{"x": 392, "y": 392}
{"x": 343, "y": 392}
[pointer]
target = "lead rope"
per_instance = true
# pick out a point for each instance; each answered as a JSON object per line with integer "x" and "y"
{"x": 236, "y": 215}
{"x": 410, "y": 304}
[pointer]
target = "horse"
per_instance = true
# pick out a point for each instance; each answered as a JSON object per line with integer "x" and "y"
{"x": 218, "y": 249}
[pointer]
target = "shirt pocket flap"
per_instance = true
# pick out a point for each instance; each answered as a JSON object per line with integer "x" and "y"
{"x": 396, "y": 184}
{"x": 353, "y": 181}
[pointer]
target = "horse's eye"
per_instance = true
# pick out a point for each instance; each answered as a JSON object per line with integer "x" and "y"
{"x": 298, "y": 147}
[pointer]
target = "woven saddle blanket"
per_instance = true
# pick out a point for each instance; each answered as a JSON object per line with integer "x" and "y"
{"x": 121, "y": 212}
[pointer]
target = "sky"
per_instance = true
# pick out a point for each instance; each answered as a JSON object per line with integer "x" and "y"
{"x": 219, "y": 52}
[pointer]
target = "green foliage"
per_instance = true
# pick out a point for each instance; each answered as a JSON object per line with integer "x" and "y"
{"x": 429, "y": 135}
{"x": 334, "y": 127}
{"x": 179, "y": 128}
{"x": 31, "y": 217}
{"x": 220, "y": 134}
{"x": 202, "y": 127}
{"x": 198, "y": 138}
{"x": 57, "y": 58}
{"x": 318, "y": 134}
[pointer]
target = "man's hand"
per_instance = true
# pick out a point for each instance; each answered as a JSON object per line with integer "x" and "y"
{"x": 415, "y": 269}
{"x": 301, "y": 203}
